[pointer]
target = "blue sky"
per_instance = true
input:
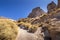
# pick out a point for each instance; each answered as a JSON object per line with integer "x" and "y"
{"x": 21, "y": 8}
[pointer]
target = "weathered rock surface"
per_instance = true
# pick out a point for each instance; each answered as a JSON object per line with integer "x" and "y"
{"x": 53, "y": 28}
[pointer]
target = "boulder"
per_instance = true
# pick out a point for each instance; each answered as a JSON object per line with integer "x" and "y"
{"x": 24, "y": 35}
{"x": 53, "y": 28}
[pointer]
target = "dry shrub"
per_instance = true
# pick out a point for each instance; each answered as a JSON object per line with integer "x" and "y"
{"x": 8, "y": 30}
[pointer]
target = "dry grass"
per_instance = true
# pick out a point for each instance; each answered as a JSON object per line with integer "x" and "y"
{"x": 8, "y": 30}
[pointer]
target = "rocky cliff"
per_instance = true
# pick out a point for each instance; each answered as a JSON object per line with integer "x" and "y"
{"x": 49, "y": 22}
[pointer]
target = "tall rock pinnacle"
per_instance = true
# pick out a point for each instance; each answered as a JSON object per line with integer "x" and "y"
{"x": 58, "y": 3}
{"x": 36, "y": 12}
{"x": 51, "y": 7}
